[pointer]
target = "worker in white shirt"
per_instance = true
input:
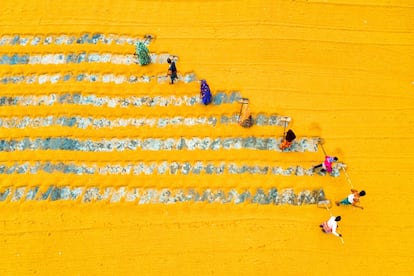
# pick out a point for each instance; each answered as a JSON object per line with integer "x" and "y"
{"x": 331, "y": 225}
{"x": 352, "y": 199}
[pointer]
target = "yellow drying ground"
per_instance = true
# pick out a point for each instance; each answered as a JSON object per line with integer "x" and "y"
{"x": 342, "y": 70}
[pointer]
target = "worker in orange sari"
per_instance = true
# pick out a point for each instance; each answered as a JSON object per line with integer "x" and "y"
{"x": 287, "y": 140}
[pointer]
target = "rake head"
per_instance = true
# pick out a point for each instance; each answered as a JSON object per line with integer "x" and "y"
{"x": 325, "y": 204}
{"x": 243, "y": 100}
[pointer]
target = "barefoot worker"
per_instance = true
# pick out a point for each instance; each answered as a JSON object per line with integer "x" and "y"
{"x": 330, "y": 226}
{"x": 288, "y": 140}
{"x": 205, "y": 93}
{"x": 352, "y": 199}
{"x": 142, "y": 53}
{"x": 172, "y": 70}
{"x": 327, "y": 164}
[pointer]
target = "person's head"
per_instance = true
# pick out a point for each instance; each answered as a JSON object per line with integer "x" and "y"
{"x": 338, "y": 218}
{"x": 362, "y": 193}
{"x": 169, "y": 60}
{"x": 335, "y": 159}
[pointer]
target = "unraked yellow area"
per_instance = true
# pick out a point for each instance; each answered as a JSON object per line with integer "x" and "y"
{"x": 341, "y": 70}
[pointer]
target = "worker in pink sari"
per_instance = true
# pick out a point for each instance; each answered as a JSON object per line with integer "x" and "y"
{"x": 327, "y": 164}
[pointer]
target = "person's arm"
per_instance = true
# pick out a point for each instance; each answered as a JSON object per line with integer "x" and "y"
{"x": 354, "y": 191}
{"x": 355, "y": 204}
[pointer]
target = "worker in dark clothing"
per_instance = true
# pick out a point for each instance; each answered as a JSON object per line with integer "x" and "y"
{"x": 172, "y": 70}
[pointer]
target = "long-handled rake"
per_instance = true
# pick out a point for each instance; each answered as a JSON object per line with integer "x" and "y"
{"x": 327, "y": 204}
{"x": 243, "y": 102}
{"x": 321, "y": 142}
{"x": 285, "y": 120}
{"x": 347, "y": 178}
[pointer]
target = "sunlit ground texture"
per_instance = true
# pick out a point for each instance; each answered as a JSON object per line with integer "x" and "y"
{"x": 106, "y": 169}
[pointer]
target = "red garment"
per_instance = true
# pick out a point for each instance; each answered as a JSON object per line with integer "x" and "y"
{"x": 326, "y": 228}
{"x": 285, "y": 144}
{"x": 327, "y": 164}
